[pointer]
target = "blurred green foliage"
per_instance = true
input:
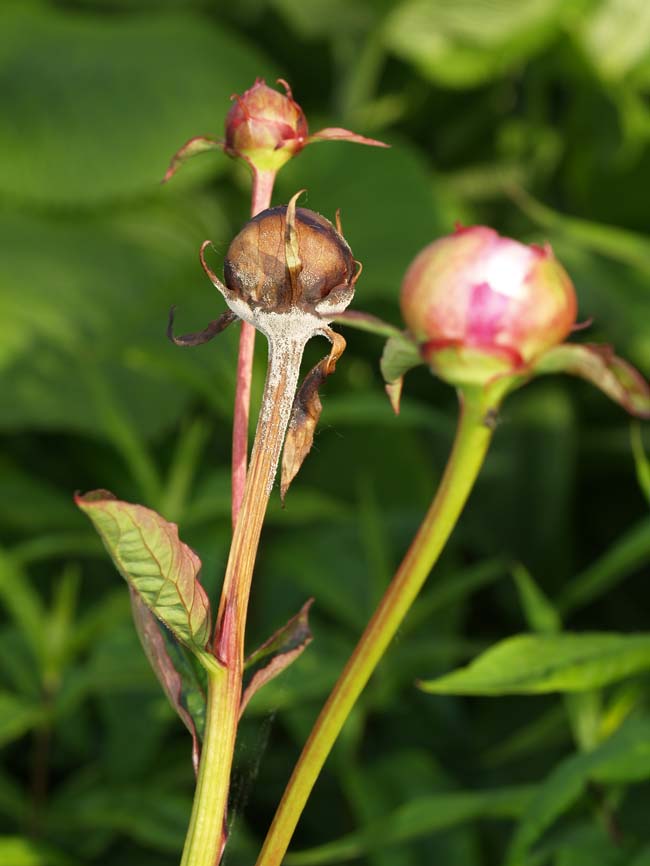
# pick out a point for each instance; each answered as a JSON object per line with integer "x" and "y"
{"x": 530, "y": 115}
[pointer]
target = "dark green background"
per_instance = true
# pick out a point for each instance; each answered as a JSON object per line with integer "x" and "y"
{"x": 530, "y": 115}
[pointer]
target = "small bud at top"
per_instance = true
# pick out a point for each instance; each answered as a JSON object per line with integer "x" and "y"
{"x": 481, "y": 306}
{"x": 265, "y": 127}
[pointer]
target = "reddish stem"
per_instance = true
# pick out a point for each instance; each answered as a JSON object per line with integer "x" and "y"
{"x": 261, "y": 199}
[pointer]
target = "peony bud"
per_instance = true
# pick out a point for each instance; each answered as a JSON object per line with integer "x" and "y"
{"x": 480, "y": 305}
{"x": 289, "y": 273}
{"x": 265, "y": 127}
{"x": 311, "y": 271}
{"x": 488, "y": 312}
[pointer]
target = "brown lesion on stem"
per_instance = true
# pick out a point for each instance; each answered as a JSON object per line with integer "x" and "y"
{"x": 279, "y": 391}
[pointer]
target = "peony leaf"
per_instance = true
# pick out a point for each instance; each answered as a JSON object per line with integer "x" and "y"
{"x": 196, "y": 145}
{"x": 421, "y": 817}
{"x": 599, "y": 365}
{"x": 62, "y": 144}
{"x": 464, "y": 44}
{"x": 367, "y": 322}
{"x": 538, "y": 664}
{"x": 154, "y": 562}
{"x": 283, "y": 647}
{"x": 336, "y": 133}
{"x": 174, "y": 670}
{"x": 400, "y": 355}
{"x": 641, "y": 461}
{"x": 541, "y": 616}
{"x": 306, "y": 412}
{"x": 621, "y": 759}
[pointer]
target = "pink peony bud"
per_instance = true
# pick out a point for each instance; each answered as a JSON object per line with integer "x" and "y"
{"x": 481, "y": 306}
{"x": 265, "y": 127}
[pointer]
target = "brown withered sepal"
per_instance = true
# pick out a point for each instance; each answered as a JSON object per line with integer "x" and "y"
{"x": 258, "y": 270}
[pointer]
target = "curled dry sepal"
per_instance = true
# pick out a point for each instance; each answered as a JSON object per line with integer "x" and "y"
{"x": 171, "y": 610}
{"x": 484, "y": 311}
{"x": 265, "y": 128}
{"x": 289, "y": 273}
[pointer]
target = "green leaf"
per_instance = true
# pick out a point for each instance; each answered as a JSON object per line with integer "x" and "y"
{"x": 86, "y": 350}
{"x": 18, "y": 715}
{"x": 367, "y": 322}
{"x": 642, "y": 859}
{"x": 14, "y": 800}
{"x": 625, "y": 757}
{"x": 641, "y": 462}
{"x": 621, "y": 560}
{"x": 64, "y": 141}
{"x": 149, "y": 813}
{"x": 151, "y": 558}
{"x": 23, "y": 603}
{"x": 541, "y": 616}
{"x": 464, "y": 43}
{"x": 326, "y": 18}
{"x": 581, "y": 844}
{"x": 20, "y": 851}
{"x": 454, "y": 588}
{"x": 421, "y": 817}
{"x": 632, "y": 248}
{"x": 400, "y": 355}
{"x": 547, "y": 730}
{"x": 606, "y": 37}
{"x": 29, "y": 503}
{"x": 535, "y": 664}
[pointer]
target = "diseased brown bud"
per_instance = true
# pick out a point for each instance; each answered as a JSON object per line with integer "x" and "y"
{"x": 289, "y": 273}
{"x": 278, "y": 263}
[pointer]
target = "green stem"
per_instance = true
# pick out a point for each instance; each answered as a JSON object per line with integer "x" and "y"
{"x": 205, "y": 838}
{"x": 470, "y": 447}
{"x": 206, "y": 835}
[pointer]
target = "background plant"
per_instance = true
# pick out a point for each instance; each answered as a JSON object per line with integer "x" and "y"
{"x": 480, "y": 103}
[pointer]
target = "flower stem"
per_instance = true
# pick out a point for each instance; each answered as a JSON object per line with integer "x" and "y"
{"x": 473, "y": 437}
{"x": 263, "y": 182}
{"x": 205, "y": 837}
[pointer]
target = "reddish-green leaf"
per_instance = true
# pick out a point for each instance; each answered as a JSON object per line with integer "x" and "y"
{"x": 600, "y": 366}
{"x": 153, "y": 560}
{"x": 174, "y": 670}
{"x": 283, "y": 647}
